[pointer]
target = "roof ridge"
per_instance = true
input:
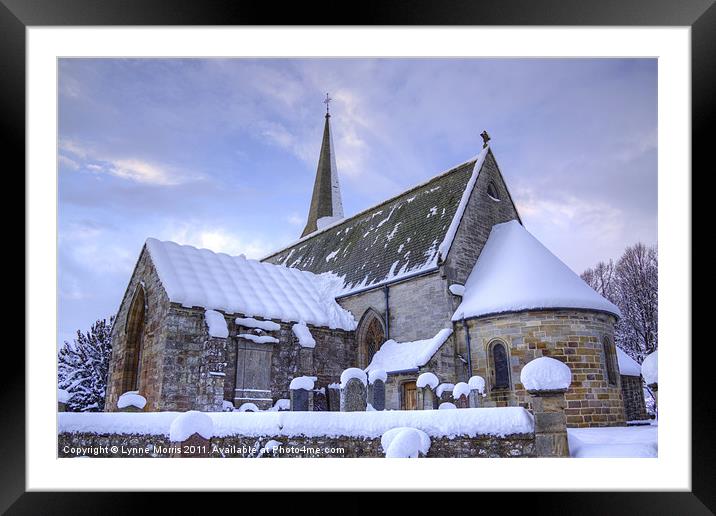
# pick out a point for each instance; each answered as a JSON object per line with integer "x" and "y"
{"x": 370, "y": 208}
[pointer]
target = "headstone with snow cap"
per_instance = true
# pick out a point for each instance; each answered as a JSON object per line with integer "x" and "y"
{"x": 547, "y": 379}
{"x": 190, "y": 433}
{"x": 353, "y": 390}
{"x": 460, "y": 393}
{"x": 301, "y": 393}
{"x": 426, "y": 382}
{"x": 477, "y": 390}
{"x": 444, "y": 392}
{"x": 334, "y": 397}
{"x": 376, "y": 388}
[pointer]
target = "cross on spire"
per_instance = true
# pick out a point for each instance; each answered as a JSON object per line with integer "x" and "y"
{"x": 327, "y": 101}
{"x": 485, "y": 138}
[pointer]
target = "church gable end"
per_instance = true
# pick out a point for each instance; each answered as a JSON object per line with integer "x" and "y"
{"x": 490, "y": 203}
{"x": 396, "y": 238}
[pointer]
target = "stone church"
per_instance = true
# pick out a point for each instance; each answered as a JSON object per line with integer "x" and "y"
{"x": 441, "y": 278}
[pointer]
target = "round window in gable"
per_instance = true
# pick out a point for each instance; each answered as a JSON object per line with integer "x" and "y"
{"x": 492, "y": 191}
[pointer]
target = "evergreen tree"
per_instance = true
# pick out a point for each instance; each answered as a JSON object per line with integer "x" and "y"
{"x": 83, "y": 366}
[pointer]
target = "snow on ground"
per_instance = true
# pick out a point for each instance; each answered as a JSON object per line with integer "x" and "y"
{"x": 216, "y": 323}
{"x": 259, "y": 339}
{"x": 650, "y": 368}
{"x": 613, "y": 442}
{"x": 444, "y": 423}
{"x": 516, "y": 272}
{"x": 402, "y": 356}
{"x": 545, "y": 374}
{"x": 305, "y": 339}
{"x": 250, "y": 322}
{"x": 234, "y": 284}
{"x": 131, "y": 399}
{"x": 427, "y": 380}
{"x": 190, "y": 423}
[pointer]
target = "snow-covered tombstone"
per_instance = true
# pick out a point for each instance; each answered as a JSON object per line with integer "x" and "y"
{"x": 301, "y": 392}
{"x": 131, "y": 401}
{"x": 376, "y": 388}
{"x": 460, "y": 393}
{"x": 547, "y": 379}
{"x": 333, "y": 394}
{"x": 427, "y": 382}
{"x": 83, "y": 365}
{"x": 477, "y": 390}
{"x": 353, "y": 390}
{"x": 248, "y": 407}
{"x": 444, "y": 392}
{"x": 191, "y": 432}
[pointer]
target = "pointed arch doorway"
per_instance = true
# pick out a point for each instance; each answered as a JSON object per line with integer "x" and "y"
{"x": 371, "y": 336}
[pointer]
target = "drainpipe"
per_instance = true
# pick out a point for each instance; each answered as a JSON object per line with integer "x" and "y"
{"x": 386, "y": 289}
{"x": 469, "y": 351}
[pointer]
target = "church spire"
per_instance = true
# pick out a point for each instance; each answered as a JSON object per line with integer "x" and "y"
{"x": 326, "y": 205}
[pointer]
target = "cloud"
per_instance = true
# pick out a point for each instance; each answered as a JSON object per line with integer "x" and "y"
{"x": 217, "y": 239}
{"x": 295, "y": 220}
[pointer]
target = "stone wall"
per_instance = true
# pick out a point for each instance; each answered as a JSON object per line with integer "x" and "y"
{"x": 572, "y": 336}
{"x": 481, "y": 213}
{"x": 419, "y": 307}
{"x": 157, "y": 308}
{"x": 134, "y": 445}
{"x": 633, "y": 394}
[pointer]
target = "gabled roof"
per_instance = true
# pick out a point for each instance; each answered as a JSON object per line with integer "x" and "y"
{"x": 406, "y": 356}
{"x": 516, "y": 272}
{"x": 401, "y": 236}
{"x": 236, "y": 285}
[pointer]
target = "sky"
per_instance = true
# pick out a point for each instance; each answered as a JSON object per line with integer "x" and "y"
{"x": 222, "y": 153}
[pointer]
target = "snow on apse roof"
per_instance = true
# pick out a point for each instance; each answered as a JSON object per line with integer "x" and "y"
{"x": 516, "y": 272}
{"x": 234, "y": 284}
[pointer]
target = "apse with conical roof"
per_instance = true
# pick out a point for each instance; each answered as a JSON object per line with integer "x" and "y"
{"x": 326, "y": 204}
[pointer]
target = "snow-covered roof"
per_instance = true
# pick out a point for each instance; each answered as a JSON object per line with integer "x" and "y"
{"x": 234, "y": 284}
{"x": 403, "y": 356}
{"x": 627, "y": 365}
{"x": 516, "y": 272}
{"x": 404, "y": 235}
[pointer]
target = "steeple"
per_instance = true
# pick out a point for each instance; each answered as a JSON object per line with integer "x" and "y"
{"x": 326, "y": 205}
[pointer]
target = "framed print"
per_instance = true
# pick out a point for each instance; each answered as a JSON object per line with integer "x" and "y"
{"x": 453, "y": 233}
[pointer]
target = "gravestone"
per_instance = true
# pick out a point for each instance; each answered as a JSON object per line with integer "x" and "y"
{"x": 550, "y": 423}
{"x": 353, "y": 396}
{"x": 376, "y": 394}
{"x": 334, "y": 397}
{"x": 474, "y": 398}
{"x": 300, "y": 400}
{"x": 428, "y": 398}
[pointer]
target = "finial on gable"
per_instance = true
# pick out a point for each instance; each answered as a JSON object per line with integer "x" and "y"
{"x": 485, "y": 138}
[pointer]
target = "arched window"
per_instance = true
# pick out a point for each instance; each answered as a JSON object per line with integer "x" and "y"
{"x": 134, "y": 330}
{"x": 610, "y": 359}
{"x": 371, "y": 336}
{"x": 500, "y": 366}
{"x": 492, "y": 191}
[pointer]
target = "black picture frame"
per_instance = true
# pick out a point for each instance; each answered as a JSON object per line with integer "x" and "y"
{"x": 700, "y": 15}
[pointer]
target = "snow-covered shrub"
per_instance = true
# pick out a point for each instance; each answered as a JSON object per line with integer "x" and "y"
{"x": 189, "y": 423}
{"x": 83, "y": 366}
{"x": 405, "y": 442}
{"x": 545, "y": 374}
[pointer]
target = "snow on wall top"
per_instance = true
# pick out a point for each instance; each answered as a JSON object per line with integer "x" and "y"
{"x": 400, "y": 356}
{"x": 401, "y": 236}
{"x": 516, "y": 272}
{"x": 627, "y": 365}
{"x": 234, "y": 284}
